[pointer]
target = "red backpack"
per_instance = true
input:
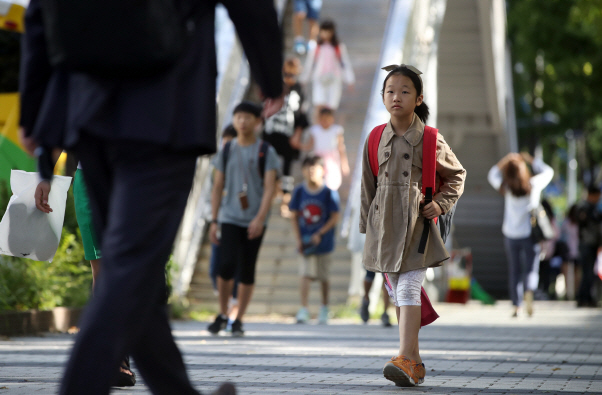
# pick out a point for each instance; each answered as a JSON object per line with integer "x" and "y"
{"x": 429, "y": 171}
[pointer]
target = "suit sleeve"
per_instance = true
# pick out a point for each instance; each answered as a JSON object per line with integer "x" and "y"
{"x": 35, "y": 69}
{"x": 368, "y": 189}
{"x": 257, "y": 25}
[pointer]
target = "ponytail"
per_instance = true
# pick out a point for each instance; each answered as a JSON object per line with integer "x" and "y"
{"x": 422, "y": 111}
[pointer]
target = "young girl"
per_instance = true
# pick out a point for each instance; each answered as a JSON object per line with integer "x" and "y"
{"x": 327, "y": 66}
{"x": 393, "y": 212}
{"x": 326, "y": 140}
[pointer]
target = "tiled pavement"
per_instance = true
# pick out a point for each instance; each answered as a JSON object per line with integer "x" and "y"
{"x": 469, "y": 350}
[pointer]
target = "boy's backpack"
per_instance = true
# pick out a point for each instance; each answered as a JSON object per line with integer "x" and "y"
{"x": 429, "y": 172}
{"x": 263, "y": 153}
{"x": 114, "y": 38}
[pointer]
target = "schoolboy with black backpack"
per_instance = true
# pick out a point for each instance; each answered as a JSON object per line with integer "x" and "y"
{"x": 243, "y": 190}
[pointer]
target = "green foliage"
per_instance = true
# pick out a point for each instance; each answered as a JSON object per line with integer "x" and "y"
{"x": 66, "y": 281}
{"x": 557, "y": 55}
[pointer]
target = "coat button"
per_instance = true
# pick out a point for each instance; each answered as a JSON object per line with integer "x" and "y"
{"x": 386, "y": 174}
{"x": 377, "y": 206}
{"x": 406, "y": 156}
{"x": 405, "y": 173}
{"x": 387, "y": 154}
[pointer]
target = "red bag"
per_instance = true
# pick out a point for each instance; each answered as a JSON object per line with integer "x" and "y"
{"x": 429, "y": 169}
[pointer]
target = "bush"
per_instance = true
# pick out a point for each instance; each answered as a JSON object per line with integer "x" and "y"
{"x": 66, "y": 281}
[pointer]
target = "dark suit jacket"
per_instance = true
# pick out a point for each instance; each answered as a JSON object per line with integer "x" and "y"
{"x": 176, "y": 108}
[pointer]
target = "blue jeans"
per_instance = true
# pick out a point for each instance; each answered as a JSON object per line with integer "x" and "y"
{"x": 523, "y": 267}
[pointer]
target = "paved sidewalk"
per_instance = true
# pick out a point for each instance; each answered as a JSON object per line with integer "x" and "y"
{"x": 469, "y": 350}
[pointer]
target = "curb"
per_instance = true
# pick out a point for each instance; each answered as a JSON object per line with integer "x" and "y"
{"x": 31, "y": 322}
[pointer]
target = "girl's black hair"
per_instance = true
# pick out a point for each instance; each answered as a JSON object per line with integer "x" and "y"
{"x": 422, "y": 110}
{"x": 328, "y": 24}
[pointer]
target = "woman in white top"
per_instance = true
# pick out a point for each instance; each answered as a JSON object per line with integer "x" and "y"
{"x": 327, "y": 66}
{"x": 522, "y": 193}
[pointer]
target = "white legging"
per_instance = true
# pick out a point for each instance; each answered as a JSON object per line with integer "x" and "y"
{"x": 404, "y": 288}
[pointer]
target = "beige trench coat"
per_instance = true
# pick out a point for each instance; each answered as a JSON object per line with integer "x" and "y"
{"x": 390, "y": 212}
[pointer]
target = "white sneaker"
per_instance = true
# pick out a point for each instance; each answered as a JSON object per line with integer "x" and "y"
{"x": 323, "y": 316}
{"x": 302, "y": 315}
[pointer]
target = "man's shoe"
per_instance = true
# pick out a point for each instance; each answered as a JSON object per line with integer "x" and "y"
{"x": 219, "y": 324}
{"x": 364, "y": 313}
{"x": 237, "y": 330}
{"x": 403, "y": 371}
{"x": 225, "y": 389}
{"x": 323, "y": 315}
{"x": 302, "y": 315}
{"x": 384, "y": 318}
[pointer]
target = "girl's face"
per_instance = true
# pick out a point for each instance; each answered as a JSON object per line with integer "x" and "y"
{"x": 399, "y": 96}
{"x": 326, "y": 120}
{"x": 326, "y": 35}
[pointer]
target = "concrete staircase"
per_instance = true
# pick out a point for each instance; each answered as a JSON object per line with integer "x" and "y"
{"x": 360, "y": 25}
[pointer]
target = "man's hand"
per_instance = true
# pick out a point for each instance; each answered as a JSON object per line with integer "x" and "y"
{"x": 316, "y": 239}
{"x": 213, "y": 234}
{"x": 272, "y": 105}
{"x": 28, "y": 143}
{"x": 255, "y": 228}
{"x": 41, "y": 197}
{"x": 431, "y": 210}
{"x": 300, "y": 246}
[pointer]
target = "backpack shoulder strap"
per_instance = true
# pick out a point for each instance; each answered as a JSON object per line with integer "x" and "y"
{"x": 429, "y": 160}
{"x": 337, "y": 51}
{"x": 225, "y": 156}
{"x": 263, "y": 153}
{"x": 373, "y": 142}
{"x": 429, "y": 172}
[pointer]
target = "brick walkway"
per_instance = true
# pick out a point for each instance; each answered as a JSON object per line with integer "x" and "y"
{"x": 470, "y": 350}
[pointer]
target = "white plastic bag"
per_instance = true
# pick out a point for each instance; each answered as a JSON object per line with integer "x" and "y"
{"x": 25, "y": 231}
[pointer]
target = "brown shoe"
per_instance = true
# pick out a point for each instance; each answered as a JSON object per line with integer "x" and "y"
{"x": 403, "y": 371}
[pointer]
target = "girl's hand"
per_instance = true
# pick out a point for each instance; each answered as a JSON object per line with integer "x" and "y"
{"x": 431, "y": 210}
{"x": 345, "y": 168}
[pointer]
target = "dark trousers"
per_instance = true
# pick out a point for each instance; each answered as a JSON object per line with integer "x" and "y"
{"x": 138, "y": 192}
{"x": 523, "y": 267}
{"x": 238, "y": 254}
{"x": 588, "y": 255}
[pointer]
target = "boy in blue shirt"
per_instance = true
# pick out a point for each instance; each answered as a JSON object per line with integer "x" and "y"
{"x": 315, "y": 210}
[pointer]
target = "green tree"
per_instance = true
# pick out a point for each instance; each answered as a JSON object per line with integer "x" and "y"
{"x": 556, "y": 48}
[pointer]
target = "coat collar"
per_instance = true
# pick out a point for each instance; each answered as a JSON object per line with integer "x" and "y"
{"x": 412, "y": 136}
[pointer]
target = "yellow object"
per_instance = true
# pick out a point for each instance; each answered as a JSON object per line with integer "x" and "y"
{"x": 9, "y": 116}
{"x": 459, "y": 283}
{"x": 11, "y": 16}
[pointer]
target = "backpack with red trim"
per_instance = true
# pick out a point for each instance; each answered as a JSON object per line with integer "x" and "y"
{"x": 337, "y": 51}
{"x": 429, "y": 173}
